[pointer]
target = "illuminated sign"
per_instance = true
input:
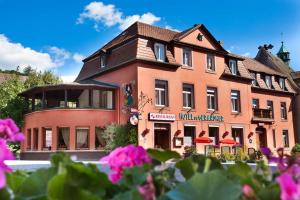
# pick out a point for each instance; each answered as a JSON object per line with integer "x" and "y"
{"x": 189, "y": 116}
{"x": 162, "y": 117}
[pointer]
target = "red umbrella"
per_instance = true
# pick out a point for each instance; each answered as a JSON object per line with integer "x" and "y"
{"x": 203, "y": 140}
{"x": 228, "y": 141}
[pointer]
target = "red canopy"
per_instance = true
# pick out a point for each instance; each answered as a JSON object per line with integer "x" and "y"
{"x": 203, "y": 140}
{"x": 228, "y": 141}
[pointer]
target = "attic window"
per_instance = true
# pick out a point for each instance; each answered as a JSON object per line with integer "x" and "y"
{"x": 281, "y": 83}
{"x": 200, "y": 37}
{"x": 102, "y": 61}
{"x": 268, "y": 81}
{"x": 233, "y": 67}
{"x": 159, "y": 50}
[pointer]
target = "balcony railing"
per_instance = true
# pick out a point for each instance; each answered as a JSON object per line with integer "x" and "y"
{"x": 262, "y": 114}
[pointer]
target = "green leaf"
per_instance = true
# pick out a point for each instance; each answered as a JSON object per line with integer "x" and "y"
{"x": 56, "y": 187}
{"x": 4, "y": 194}
{"x": 135, "y": 176}
{"x": 200, "y": 160}
{"x": 129, "y": 195}
{"x": 272, "y": 192}
{"x": 187, "y": 167}
{"x": 241, "y": 169}
{"x": 16, "y": 179}
{"x": 211, "y": 185}
{"x": 35, "y": 186}
{"x": 163, "y": 155}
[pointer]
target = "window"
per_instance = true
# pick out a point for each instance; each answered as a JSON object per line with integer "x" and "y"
{"x": 187, "y": 57}
{"x": 270, "y": 107}
{"x": 47, "y": 138}
{"x": 255, "y": 103}
{"x": 189, "y": 135}
{"x": 100, "y": 141}
{"x": 233, "y": 67}
{"x": 210, "y": 65}
{"x": 281, "y": 83}
{"x": 35, "y": 138}
{"x": 28, "y": 139}
{"x": 159, "y": 50}
{"x": 213, "y": 133}
{"x": 82, "y": 138}
{"x": 237, "y": 134}
{"x": 188, "y": 96}
{"x": 63, "y": 138}
{"x": 106, "y": 99}
{"x": 103, "y": 61}
{"x": 211, "y": 98}
{"x": 274, "y": 138}
{"x": 285, "y": 138}
{"x": 161, "y": 93}
{"x": 268, "y": 81}
{"x": 254, "y": 81}
{"x": 235, "y": 101}
{"x": 283, "y": 110}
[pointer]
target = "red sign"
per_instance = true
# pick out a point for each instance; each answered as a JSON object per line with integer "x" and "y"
{"x": 162, "y": 117}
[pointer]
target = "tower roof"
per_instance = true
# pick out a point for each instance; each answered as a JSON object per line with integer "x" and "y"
{"x": 282, "y": 49}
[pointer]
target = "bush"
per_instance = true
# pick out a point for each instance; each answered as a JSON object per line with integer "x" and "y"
{"x": 117, "y": 135}
{"x": 295, "y": 149}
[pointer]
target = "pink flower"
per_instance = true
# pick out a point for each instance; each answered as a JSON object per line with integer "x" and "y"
{"x": 248, "y": 192}
{"x": 9, "y": 131}
{"x": 125, "y": 157}
{"x": 5, "y": 154}
{"x": 148, "y": 190}
{"x": 290, "y": 190}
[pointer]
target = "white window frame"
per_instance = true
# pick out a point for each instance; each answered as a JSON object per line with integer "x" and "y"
{"x": 213, "y": 67}
{"x": 233, "y": 70}
{"x": 268, "y": 79}
{"x": 189, "y": 61}
{"x": 234, "y": 95}
{"x": 282, "y": 83}
{"x": 103, "y": 61}
{"x": 160, "y": 96}
{"x": 285, "y": 136}
{"x": 185, "y": 95}
{"x": 254, "y": 81}
{"x": 283, "y": 108}
{"x": 211, "y": 94}
{"x": 160, "y": 52}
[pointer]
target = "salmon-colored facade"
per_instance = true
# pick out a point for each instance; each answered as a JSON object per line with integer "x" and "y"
{"x": 193, "y": 89}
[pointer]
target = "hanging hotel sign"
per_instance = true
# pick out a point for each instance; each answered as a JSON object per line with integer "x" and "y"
{"x": 162, "y": 117}
{"x": 189, "y": 116}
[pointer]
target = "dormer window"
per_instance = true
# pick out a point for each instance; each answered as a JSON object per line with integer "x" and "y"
{"x": 254, "y": 81}
{"x": 281, "y": 83}
{"x": 103, "y": 61}
{"x": 233, "y": 66}
{"x": 159, "y": 50}
{"x": 268, "y": 81}
{"x": 186, "y": 57}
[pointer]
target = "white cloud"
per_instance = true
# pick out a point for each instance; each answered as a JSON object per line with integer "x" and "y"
{"x": 109, "y": 15}
{"x": 59, "y": 55}
{"x": 247, "y": 54}
{"x": 68, "y": 78}
{"x": 171, "y": 28}
{"x": 77, "y": 57}
{"x": 15, "y": 54}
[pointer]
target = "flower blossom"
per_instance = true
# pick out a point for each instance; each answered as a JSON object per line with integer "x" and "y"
{"x": 248, "y": 192}
{"x": 147, "y": 191}
{"x": 290, "y": 190}
{"x": 9, "y": 131}
{"x": 5, "y": 154}
{"x": 125, "y": 157}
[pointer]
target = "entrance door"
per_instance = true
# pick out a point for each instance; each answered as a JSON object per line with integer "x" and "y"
{"x": 162, "y": 136}
{"x": 213, "y": 133}
{"x": 261, "y": 137}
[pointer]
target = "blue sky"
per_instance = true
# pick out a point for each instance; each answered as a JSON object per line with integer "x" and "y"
{"x": 57, "y": 34}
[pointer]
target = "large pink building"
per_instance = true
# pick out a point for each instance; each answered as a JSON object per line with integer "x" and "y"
{"x": 186, "y": 88}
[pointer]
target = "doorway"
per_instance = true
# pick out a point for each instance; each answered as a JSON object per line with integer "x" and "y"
{"x": 162, "y": 136}
{"x": 213, "y": 133}
{"x": 261, "y": 137}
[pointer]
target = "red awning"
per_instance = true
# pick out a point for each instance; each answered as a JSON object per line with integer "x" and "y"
{"x": 228, "y": 141}
{"x": 203, "y": 140}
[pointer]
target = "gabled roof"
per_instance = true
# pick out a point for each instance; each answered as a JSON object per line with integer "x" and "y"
{"x": 183, "y": 34}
